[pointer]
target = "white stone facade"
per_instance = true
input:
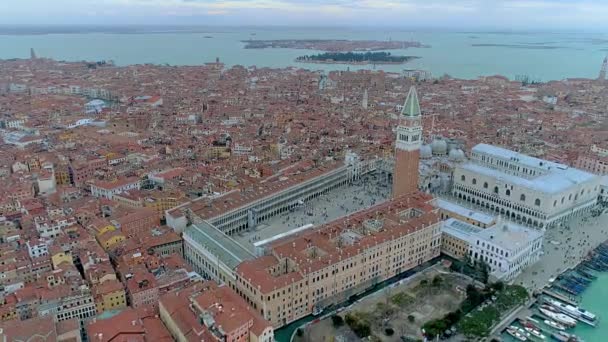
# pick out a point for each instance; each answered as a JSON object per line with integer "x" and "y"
{"x": 524, "y": 189}
{"x": 37, "y": 248}
{"x": 48, "y": 228}
{"x": 507, "y": 248}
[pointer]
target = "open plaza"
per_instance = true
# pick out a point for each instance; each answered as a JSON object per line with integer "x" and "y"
{"x": 370, "y": 190}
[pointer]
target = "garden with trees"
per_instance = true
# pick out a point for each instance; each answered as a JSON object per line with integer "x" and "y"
{"x": 479, "y": 312}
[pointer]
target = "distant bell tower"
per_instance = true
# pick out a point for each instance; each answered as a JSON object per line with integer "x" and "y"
{"x": 407, "y": 147}
{"x": 32, "y": 54}
{"x": 602, "y": 76}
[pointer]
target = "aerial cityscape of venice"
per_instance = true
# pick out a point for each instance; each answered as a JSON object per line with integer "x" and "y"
{"x": 260, "y": 171}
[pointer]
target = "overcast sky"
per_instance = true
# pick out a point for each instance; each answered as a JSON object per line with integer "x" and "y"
{"x": 498, "y": 14}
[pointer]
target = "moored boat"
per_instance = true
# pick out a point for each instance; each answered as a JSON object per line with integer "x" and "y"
{"x": 558, "y": 317}
{"x": 528, "y": 323}
{"x": 554, "y": 324}
{"x": 535, "y": 332}
{"x": 573, "y": 311}
{"x": 516, "y": 334}
{"x": 565, "y": 337}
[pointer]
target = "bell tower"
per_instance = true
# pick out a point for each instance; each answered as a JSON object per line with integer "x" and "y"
{"x": 407, "y": 147}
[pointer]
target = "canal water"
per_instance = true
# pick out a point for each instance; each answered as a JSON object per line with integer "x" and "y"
{"x": 595, "y": 299}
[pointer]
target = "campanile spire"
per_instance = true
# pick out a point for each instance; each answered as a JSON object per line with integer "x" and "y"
{"x": 407, "y": 146}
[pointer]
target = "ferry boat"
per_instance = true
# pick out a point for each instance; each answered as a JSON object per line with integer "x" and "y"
{"x": 554, "y": 324}
{"x": 558, "y": 317}
{"x": 574, "y": 311}
{"x": 516, "y": 334}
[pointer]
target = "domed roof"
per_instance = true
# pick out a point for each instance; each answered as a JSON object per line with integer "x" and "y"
{"x": 439, "y": 147}
{"x": 426, "y": 151}
{"x": 456, "y": 154}
{"x": 452, "y": 145}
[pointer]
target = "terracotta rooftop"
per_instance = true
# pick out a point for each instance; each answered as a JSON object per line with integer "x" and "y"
{"x": 325, "y": 239}
{"x": 268, "y": 187}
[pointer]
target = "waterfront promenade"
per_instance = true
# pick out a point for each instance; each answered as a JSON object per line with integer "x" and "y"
{"x": 565, "y": 247}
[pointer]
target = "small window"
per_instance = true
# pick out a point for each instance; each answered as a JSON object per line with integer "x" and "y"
{"x": 463, "y": 178}
{"x": 495, "y": 189}
{"x": 508, "y": 192}
{"x": 485, "y": 185}
{"x": 537, "y": 202}
{"x": 474, "y": 181}
{"x": 522, "y": 198}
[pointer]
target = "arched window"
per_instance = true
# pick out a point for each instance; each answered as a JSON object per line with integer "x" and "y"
{"x": 537, "y": 202}
{"x": 563, "y": 198}
{"x": 522, "y": 198}
{"x": 463, "y": 178}
{"x": 495, "y": 189}
{"x": 570, "y": 197}
{"x": 485, "y": 185}
{"x": 474, "y": 181}
{"x": 555, "y": 203}
{"x": 508, "y": 192}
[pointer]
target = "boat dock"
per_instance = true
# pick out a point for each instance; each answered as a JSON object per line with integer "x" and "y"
{"x": 559, "y": 297}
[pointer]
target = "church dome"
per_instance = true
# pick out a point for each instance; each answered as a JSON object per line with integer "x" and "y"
{"x": 456, "y": 154}
{"x": 452, "y": 146}
{"x": 426, "y": 152}
{"x": 439, "y": 147}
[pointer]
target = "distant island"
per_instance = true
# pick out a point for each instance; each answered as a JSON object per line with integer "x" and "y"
{"x": 334, "y": 45}
{"x": 531, "y": 46}
{"x": 355, "y": 58}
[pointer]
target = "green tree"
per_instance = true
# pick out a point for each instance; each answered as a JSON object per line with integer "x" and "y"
{"x": 437, "y": 281}
{"x": 350, "y": 320}
{"x": 483, "y": 269}
{"x": 337, "y": 321}
{"x": 498, "y": 286}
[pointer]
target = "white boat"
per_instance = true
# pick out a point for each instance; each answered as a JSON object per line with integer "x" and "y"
{"x": 516, "y": 334}
{"x": 573, "y": 311}
{"x": 559, "y": 317}
{"x": 317, "y": 311}
{"x": 535, "y": 333}
{"x": 565, "y": 337}
{"x": 554, "y": 324}
{"x": 521, "y": 331}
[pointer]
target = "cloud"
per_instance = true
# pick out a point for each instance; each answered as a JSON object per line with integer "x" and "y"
{"x": 406, "y": 13}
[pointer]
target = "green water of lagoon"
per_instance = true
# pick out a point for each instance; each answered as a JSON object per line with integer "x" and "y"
{"x": 595, "y": 299}
{"x": 542, "y": 56}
